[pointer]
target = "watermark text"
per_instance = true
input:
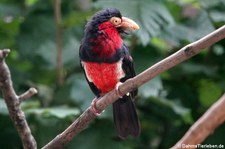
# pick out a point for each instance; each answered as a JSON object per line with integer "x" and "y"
{"x": 217, "y": 146}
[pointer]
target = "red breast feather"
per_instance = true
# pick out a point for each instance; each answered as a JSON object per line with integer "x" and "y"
{"x": 104, "y": 75}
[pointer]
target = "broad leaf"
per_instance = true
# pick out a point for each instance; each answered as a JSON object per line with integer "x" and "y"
{"x": 152, "y": 88}
{"x": 9, "y": 10}
{"x": 190, "y": 31}
{"x": 80, "y": 91}
{"x": 99, "y": 136}
{"x": 209, "y": 92}
{"x": 59, "y": 112}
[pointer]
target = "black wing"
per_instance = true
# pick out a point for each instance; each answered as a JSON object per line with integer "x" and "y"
{"x": 128, "y": 67}
{"x": 124, "y": 113}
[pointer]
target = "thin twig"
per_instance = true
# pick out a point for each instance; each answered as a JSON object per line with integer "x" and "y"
{"x": 13, "y": 104}
{"x": 59, "y": 40}
{"x": 201, "y": 129}
{"x": 29, "y": 93}
{"x": 131, "y": 84}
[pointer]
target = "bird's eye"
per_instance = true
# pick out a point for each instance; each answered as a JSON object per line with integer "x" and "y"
{"x": 115, "y": 20}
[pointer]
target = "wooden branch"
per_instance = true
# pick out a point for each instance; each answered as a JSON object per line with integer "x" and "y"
{"x": 131, "y": 84}
{"x": 13, "y": 104}
{"x": 205, "y": 126}
{"x": 27, "y": 94}
{"x": 59, "y": 40}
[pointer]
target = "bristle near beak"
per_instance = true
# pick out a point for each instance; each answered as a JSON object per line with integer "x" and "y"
{"x": 128, "y": 24}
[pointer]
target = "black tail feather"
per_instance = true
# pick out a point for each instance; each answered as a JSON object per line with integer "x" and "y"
{"x": 125, "y": 117}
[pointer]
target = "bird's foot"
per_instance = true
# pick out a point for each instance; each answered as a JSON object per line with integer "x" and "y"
{"x": 93, "y": 107}
{"x": 118, "y": 90}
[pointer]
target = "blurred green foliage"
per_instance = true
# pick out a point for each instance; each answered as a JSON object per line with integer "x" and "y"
{"x": 167, "y": 105}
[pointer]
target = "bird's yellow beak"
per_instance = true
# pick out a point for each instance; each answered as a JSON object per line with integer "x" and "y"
{"x": 128, "y": 24}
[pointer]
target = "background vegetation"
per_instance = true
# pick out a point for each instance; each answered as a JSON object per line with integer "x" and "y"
{"x": 167, "y": 106}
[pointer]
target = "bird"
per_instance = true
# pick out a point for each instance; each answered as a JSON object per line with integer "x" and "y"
{"x": 107, "y": 63}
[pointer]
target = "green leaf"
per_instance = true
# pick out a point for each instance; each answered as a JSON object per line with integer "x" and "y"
{"x": 210, "y": 3}
{"x": 71, "y": 49}
{"x": 102, "y": 132}
{"x": 209, "y": 92}
{"x": 171, "y": 109}
{"x": 47, "y": 51}
{"x": 59, "y": 112}
{"x": 41, "y": 36}
{"x": 40, "y": 41}
{"x": 190, "y": 31}
{"x": 152, "y": 88}
{"x": 76, "y": 18}
{"x": 217, "y": 16}
{"x": 30, "y": 104}
{"x": 45, "y": 92}
{"x": 30, "y": 2}
{"x": 80, "y": 91}
{"x": 9, "y": 10}
{"x": 9, "y": 28}
{"x": 215, "y": 9}
{"x": 144, "y": 57}
{"x": 193, "y": 68}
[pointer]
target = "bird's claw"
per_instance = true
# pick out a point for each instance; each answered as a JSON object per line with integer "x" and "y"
{"x": 118, "y": 91}
{"x": 93, "y": 107}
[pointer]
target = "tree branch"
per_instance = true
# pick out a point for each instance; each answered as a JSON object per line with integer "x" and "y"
{"x": 13, "y": 104}
{"x": 201, "y": 129}
{"x": 27, "y": 94}
{"x": 131, "y": 84}
{"x": 59, "y": 41}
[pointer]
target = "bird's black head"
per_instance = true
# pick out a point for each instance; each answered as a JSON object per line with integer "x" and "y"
{"x": 100, "y": 17}
{"x": 103, "y": 31}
